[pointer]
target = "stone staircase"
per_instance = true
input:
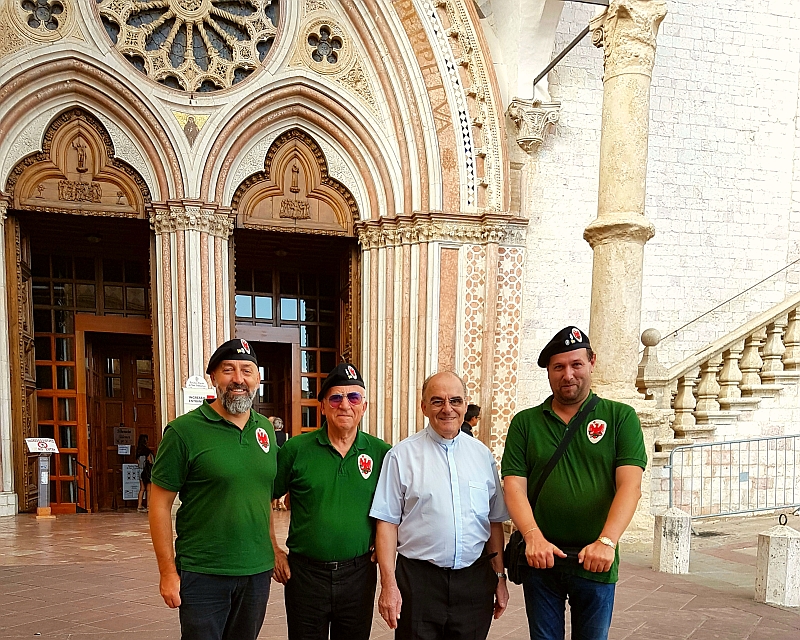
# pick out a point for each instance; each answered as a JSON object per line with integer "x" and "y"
{"x": 744, "y": 385}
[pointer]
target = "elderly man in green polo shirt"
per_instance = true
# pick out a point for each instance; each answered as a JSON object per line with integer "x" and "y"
{"x": 331, "y": 475}
{"x": 221, "y": 459}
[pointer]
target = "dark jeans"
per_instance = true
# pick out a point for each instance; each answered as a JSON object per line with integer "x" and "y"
{"x": 336, "y": 599}
{"x": 223, "y": 607}
{"x": 445, "y": 604}
{"x": 546, "y": 592}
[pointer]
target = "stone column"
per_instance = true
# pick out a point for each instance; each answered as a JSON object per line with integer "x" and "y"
{"x": 627, "y": 32}
{"x": 8, "y": 498}
{"x": 193, "y": 292}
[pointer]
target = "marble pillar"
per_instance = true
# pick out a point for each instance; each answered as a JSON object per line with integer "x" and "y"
{"x": 193, "y": 292}
{"x": 8, "y": 498}
{"x": 627, "y": 33}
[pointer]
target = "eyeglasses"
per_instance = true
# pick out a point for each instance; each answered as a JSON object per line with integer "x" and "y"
{"x": 354, "y": 398}
{"x": 438, "y": 403}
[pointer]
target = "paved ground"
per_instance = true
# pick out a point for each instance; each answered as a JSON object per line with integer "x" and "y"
{"x": 95, "y": 577}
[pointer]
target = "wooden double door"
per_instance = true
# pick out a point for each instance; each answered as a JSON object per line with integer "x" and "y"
{"x": 121, "y": 406}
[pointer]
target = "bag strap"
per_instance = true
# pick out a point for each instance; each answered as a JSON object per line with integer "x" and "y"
{"x": 572, "y": 429}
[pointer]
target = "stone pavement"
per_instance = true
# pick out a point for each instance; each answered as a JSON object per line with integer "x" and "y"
{"x": 95, "y": 577}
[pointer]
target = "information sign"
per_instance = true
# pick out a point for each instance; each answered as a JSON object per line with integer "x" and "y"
{"x": 123, "y": 435}
{"x": 130, "y": 481}
{"x": 41, "y": 445}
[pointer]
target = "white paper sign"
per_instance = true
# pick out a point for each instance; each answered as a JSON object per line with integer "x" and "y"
{"x": 45, "y": 478}
{"x": 41, "y": 445}
{"x": 124, "y": 449}
{"x": 130, "y": 481}
{"x": 193, "y": 397}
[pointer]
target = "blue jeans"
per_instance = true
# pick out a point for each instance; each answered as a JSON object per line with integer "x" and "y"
{"x": 546, "y": 592}
{"x": 223, "y": 607}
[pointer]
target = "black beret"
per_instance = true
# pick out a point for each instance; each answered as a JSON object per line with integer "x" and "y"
{"x": 344, "y": 374}
{"x": 568, "y": 339}
{"x": 236, "y": 349}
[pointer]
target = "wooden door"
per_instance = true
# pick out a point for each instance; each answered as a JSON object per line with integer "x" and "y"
{"x": 23, "y": 369}
{"x": 275, "y": 395}
{"x": 126, "y": 398}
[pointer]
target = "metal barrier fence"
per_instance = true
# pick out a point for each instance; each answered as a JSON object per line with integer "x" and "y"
{"x": 735, "y": 477}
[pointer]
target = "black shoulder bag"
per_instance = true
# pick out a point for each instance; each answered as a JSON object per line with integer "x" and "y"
{"x": 514, "y": 553}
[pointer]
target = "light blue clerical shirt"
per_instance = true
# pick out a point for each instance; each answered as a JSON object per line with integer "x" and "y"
{"x": 443, "y": 494}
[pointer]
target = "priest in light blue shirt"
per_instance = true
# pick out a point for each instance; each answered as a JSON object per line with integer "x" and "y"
{"x": 440, "y": 507}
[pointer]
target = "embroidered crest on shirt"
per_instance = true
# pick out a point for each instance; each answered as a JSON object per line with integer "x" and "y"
{"x": 365, "y": 465}
{"x": 596, "y": 429}
{"x": 263, "y": 439}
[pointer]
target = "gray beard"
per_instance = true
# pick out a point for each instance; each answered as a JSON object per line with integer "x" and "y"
{"x": 236, "y": 405}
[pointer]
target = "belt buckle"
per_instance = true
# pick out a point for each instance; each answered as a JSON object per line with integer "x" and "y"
{"x": 332, "y": 566}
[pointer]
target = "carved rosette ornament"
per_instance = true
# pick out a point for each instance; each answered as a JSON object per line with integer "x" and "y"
{"x": 627, "y": 32}
{"x": 532, "y": 118}
{"x": 192, "y": 45}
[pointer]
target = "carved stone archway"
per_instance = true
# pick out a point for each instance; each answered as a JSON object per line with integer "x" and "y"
{"x": 294, "y": 192}
{"x": 77, "y": 172}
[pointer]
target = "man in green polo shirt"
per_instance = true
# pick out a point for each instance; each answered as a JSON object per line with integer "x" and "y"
{"x": 221, "y": 459}
{"x": 331, "y": 475}
{"x": 586, "y": 502}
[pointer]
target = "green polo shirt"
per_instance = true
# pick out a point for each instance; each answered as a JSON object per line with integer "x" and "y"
{"x": 330, "y": 495}
{"x": 576, "y": 497}
{"x": 223, "y": 476}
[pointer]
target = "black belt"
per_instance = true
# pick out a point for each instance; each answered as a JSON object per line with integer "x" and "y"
{"x": 330, "y": 566}
{"x": 484, "y": 558}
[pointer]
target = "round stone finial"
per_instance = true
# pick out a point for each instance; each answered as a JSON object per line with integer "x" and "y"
{"x": 651, "y": 337}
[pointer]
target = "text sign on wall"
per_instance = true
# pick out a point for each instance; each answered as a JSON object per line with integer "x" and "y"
{"x": 195, "y": 392}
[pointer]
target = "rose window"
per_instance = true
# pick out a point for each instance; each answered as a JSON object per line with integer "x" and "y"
{"x": 192, "y": 45}
{"x": 324, "y": 45}
{"x": 42, "y": 13}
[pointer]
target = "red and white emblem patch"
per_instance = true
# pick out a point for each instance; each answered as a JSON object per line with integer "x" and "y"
{"x": 596, "y": 429}
{"x": 245, "y": 346}
{"x": 577, "y": 334}
{"x": 262, "y": 437}
{"x": 365, "y": 465}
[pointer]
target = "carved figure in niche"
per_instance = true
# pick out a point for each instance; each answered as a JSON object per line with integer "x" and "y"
{"x": 191, "y": 130}
{"x": 81, "y": 149}
{"x": 295, "y": 172}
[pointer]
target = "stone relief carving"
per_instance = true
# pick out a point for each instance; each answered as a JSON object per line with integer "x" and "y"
{"x": 252, "y": 162}
{"x": 627, "y": 32}
{"x": 192, "y": 45}
{"x": 43, "y": 20}
{"x": 425, "y": 228}
{"x": 77, "y": 191}
{"x": 296, "y": 209}
{"x": 28, "y": 141}
{"x": 338, "y": 169}
{"x": 532, "y": 119}
{"x": 179, "y": 217}
{"x": 125, "y": 149}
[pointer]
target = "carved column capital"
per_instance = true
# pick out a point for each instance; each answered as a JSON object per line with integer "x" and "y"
{"x": 532, "y": 118}
{"x": 176, "y": 215}
{"x": 627, "y": 32}
{"x": 4, "y": 204}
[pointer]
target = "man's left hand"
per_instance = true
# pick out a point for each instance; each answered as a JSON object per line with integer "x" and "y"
{"x": 282, "y": 572}
{"x": 500, "y": 598}
{"x": 596, "y": 557}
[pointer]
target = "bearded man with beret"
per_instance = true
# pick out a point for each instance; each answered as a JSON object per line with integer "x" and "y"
{"x": 584, "y": 505}
{"x": 221, "y": 460}
{"x": 331, "y": 475}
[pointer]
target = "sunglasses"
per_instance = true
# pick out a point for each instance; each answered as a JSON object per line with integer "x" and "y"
{"x": 354, "y": 398}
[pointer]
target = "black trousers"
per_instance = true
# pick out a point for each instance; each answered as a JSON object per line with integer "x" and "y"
{"x": 445, "y": 604}
{"x": 335, "y": 599}
{"x": 223, "y": 607}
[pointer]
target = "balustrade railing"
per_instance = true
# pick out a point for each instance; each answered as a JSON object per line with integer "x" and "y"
{"x": 729, "y": 378}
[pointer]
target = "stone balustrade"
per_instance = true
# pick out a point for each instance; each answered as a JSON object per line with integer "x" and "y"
{"x": 726, "y": 381}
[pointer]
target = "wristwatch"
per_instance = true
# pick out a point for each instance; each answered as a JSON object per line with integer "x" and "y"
{"x": 607, "y": 542}
{"x": 501, "y": 575}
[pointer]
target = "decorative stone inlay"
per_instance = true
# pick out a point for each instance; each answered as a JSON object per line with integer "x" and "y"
{"x": 252, "y": 162}
{"x": 192, "y": 45}
{"x": 177, "y": 217}
{"x": 324, "y": 46}
{"x": 126, "y": 150}
{"x": 35, "y": 21}
{"x": 627, "y": 32}
{"x": 338, "y": 169}
{"x": 28, "y": 141}
{"x": 431, "y": 227}
{"x": 473, "y": 318}
{"x": 532, "y": 118}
